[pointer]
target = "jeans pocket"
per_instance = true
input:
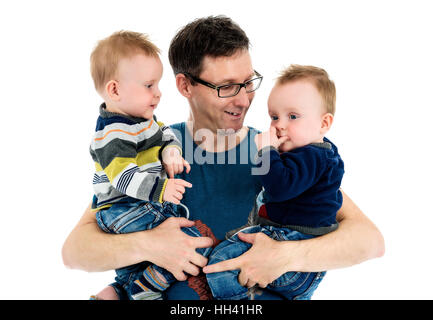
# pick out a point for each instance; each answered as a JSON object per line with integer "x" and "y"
{"x": 131, "y": 218}
{"x": 308, "y": 293}
{"x": 288, "y": 279}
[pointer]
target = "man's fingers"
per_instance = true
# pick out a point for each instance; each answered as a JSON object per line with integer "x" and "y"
{"x": 199, "y": 260}
{"x": 227, "y": 265}
{"x": 184, "y": 222}
{"x": 242, "y": 279}
{"x": 247, "y": 237}
{"x": 250, "y": 283}
{"x": 191, "y": 269}
{"x": 180, "y": 276}
{"x": 203, "y": 242}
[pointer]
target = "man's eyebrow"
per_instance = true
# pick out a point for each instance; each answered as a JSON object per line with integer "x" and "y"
{"x": 231, "y": 80}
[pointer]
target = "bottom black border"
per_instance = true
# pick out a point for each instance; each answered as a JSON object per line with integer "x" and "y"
{"x": 213, "y": 310}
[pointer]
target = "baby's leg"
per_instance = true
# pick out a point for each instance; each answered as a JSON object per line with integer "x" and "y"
{"x": 108, "y": 293}
{"x": 149, "y": 284}
{"x": 225, "y": 285}
{"x": 154, "y": 279}
{"x": 293, "y": 285}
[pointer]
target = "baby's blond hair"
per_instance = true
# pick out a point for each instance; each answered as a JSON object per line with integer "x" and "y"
{"x": 108, "y": 52}
{"x": 319, "y": 77}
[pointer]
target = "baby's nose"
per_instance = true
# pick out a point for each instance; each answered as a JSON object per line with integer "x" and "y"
{"x": 281, "y": 126}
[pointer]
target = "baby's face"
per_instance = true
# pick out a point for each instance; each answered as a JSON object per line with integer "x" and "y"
{"x": 296, "y": 110}
{"x": 138, "y": 80}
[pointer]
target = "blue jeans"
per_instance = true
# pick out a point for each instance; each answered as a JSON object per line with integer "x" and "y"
{"x": 291, "y": 285}
{"x": 132, "y": 216}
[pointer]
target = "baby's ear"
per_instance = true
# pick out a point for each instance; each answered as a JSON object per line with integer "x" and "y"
{"x": 112, "y": 90}
{"x": 327, "y": 120}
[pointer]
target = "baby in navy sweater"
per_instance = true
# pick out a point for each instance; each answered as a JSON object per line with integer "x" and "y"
{"x": 300, "y": 196}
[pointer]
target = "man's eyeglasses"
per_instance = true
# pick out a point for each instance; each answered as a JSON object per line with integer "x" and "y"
{"x": 231, "y": 89}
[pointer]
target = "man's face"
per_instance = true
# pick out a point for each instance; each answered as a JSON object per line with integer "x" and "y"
{"x": 210, "y": 111}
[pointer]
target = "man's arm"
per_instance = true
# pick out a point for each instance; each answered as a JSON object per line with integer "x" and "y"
{"x": 356, "y": 240}
{"x": 89, "y": 248}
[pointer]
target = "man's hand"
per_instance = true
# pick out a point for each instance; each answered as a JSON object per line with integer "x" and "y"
{"x": 174, "y": 190}
{"x": 173, "y": 161}
{"x": 175, "y": 251}
{"x": 260, "y": 265}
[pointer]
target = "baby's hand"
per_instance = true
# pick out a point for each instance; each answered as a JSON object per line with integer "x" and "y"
{"x": 269, "y": 138}
{"x": 174, "y": 190}
{"x": 173, "y": 161}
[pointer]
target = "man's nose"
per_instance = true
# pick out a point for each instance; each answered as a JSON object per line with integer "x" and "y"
{"x": 243, "y": 98}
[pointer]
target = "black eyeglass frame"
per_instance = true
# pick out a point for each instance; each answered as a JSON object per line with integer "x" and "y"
{"x": 240, "y": 85}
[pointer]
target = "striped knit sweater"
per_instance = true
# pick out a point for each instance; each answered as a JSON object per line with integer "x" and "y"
{"x": 126, "y": 151}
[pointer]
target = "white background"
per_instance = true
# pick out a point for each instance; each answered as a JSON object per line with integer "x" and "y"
{"x": 379, "y": 53}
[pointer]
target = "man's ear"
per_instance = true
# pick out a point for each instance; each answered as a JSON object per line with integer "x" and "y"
{"x": 112, "y": 90}
{"x": 183, "y": 85}
{"x": 327, "y": 120}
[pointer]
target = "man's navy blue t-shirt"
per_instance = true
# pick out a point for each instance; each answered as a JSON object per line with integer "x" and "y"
{"x": 222, "y": 195}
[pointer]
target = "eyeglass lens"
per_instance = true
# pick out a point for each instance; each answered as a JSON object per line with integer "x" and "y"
{"x": 232, "y": 90}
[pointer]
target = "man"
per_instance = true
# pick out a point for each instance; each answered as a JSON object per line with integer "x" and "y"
{"x": 214, "y": 72}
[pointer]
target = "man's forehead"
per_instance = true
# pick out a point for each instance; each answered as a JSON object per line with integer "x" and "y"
{"x": 235, "y": 68}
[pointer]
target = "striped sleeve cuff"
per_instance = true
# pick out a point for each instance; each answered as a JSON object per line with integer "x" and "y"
{"x": 159, "y": 191}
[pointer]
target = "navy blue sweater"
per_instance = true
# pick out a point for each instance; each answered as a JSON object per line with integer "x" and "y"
{"x": 302, "y": 186}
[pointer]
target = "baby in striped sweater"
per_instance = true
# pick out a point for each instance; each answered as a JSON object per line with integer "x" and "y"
{"x": 136, "y": 157}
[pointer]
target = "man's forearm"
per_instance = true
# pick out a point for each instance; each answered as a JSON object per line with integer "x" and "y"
{"x": 91, "y": 249}
{"x": 356, "y": 240}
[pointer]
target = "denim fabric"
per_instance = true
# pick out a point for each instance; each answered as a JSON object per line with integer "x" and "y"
{"x": 127, "y": 217}
{"x": 291, "y": 285}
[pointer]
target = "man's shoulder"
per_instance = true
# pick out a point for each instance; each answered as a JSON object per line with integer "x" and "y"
{"x": 253, "y": 131}
{"x": 178, "y": 130}
{"x": 177, "y": 126}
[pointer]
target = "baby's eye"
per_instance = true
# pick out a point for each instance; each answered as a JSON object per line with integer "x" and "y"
{"x": 293, "y": 117}
{"x": 148, "y": 86}
{"x": 274, "y": 118}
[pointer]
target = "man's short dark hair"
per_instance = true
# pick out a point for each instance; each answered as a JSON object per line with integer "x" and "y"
{"x": 214, "y": 36}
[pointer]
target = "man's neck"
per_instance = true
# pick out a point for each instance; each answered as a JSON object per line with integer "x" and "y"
{"x": 215, "y": 141}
